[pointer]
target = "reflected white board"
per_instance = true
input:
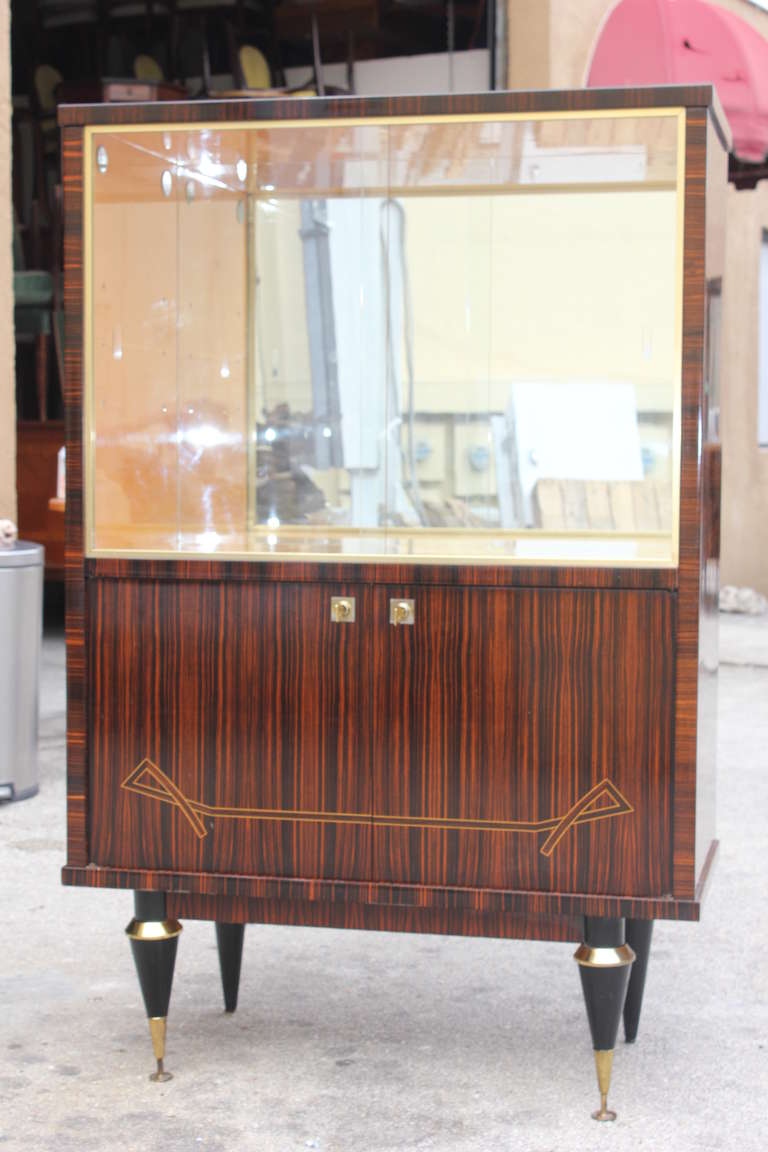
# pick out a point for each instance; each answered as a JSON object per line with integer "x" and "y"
{"x": 573, "y": 430}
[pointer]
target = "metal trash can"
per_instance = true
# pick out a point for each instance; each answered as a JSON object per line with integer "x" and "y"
{"x": 21, "y": 627}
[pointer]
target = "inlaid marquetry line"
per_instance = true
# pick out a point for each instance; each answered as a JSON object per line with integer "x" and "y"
{"x": 147, "y": 779}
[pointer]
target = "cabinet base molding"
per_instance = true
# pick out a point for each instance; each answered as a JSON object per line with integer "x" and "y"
{"x": 371, "y": 917}
{"x": 385, "y": 897}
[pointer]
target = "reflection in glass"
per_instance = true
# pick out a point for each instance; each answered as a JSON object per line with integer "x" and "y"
{"x": 435, "y": 340}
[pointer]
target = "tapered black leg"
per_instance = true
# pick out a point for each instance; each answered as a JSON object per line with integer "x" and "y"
{"x": 639, "y": 934}
{"x": 153, "y": 942}
{"x": 229, "y": 938}
{"x": 604, "y": 961}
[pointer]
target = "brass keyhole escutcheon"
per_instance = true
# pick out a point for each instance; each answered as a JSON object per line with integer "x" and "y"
{"x": 401, "y": 612}
{"x": 343, "y": 609}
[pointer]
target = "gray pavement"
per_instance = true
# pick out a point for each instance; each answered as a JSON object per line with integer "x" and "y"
{"x": 354, "y": 1042}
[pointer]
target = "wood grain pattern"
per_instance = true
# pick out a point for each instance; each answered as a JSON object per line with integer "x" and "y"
{"x": 711, "y": 464}
{"x": 486, "y": 103}
{"x": 486, "y": 900}
{"x": 477, "y": 576}
{"x": 154, "y": 647}
{"x": 687, "y": 655}
{"x": 502, "y": 705}
{"x": 77, "y": 668}
{"x": 371, "y": 917}
{"x": 247, "y": 696}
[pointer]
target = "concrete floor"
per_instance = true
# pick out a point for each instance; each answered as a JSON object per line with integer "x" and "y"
{"x": 353, "y": 1042}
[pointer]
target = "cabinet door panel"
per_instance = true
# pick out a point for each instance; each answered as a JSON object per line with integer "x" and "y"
{"x": 523, "y": 740}
{"x": 225, "y": 729}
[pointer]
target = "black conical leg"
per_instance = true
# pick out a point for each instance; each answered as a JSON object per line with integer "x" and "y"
{"x": 604, "y": 961}
{"x": 154, "y": 940}
{"x": 229, "y": 938}
{"x": 639, "y": 934}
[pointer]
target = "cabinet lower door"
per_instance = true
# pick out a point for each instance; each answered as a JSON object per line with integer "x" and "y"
{"x": 522, "y": 739}
{"x": 225, "y": 729}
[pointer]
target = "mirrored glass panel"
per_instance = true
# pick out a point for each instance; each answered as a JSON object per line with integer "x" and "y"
{"x": 449, "y": 340}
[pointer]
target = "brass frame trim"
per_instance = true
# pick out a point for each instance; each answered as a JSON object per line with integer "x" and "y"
{"x": 87, "y": 432}
{"x": 153, "y": 930}
{"x": 147, "y": 779}
{"x": 396, "y": 531}
{"x": 410, "y": 558}
{"x": 618, "y": 957}
{"x": 656, "y": 113}
{"x": 420, "y": 191}
{"x": 94, "y": 130}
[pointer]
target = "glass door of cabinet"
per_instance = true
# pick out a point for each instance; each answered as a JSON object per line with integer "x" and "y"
{"x": 448, "y": 340}
{"x": 317, "y": 232}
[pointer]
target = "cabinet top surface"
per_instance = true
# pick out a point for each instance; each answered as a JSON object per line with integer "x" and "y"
{"x": 266, "y": 108}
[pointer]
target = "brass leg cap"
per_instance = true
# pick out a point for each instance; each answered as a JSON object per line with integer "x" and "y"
{"x": 160, "y": 1076}
{"x": 157, "y": 1031}
{"x": 603, "y": 1113}
{"x": 603, "y": 1066}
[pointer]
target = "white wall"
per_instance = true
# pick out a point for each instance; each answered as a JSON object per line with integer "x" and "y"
{"x": 408, "y": 75}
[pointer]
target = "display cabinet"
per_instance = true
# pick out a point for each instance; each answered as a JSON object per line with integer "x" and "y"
{"x": 392, "y": 492}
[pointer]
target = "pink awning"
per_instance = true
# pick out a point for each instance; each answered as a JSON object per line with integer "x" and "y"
{"x": 690, "y": 42}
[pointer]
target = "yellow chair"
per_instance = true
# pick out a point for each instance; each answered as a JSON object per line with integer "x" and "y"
{"x": 46, "y": 81}
{"x": 147, "y": 68}
{"x": 254, "y": 67}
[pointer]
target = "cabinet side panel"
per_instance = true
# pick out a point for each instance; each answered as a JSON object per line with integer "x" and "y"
{"x": 77, "y": 753}
{"x": 687, "y": 664}
{"x": 706, "y": 749}
{"x": 523, "y": 740}
{"x": 226, "y": 733}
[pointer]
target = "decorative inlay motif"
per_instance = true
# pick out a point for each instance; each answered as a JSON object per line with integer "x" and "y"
{"x": 148, "y": 780}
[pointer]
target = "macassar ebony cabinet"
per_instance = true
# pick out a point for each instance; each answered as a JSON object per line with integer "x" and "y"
{"x": 392, "y": 505}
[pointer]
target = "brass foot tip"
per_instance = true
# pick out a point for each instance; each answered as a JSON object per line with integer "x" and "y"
{"x": 160, "y": 1076}
{"x": 603, "y": 1064}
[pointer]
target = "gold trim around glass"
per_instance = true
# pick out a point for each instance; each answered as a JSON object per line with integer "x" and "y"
{"x": 671, "y": 561}
{"x": 87, "y": 412}
{"x": 348, "y": 121}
